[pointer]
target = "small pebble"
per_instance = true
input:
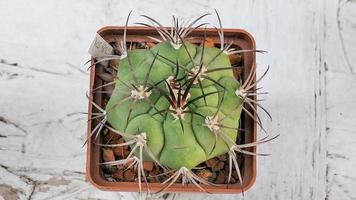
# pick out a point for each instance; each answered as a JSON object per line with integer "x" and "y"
{"x": 121, "y": 151}
{"x": 129, "y": 175}
{"x": 152, "y": 175}
{"x": 150, "y": 44}
{"x": 108, "y": 169}
{"x": 204, "y": 174}
{"x": 220, "y": 179}
{"x": 232, "y": 180}
{"x": 110, "y": 136}
{"x": 218, "y": 166}
{"x": 209, "y": 42}
{"x": 119, "y": 174}
{"x": 114, "y": 63}
{"x": 148, "y": 166}
{"x": 212, "y": 162}
{"x": 222, "y": 157}
{"x": 108, "y": 155}
{"x": 235, "y": 58}
{"x": 234, "y": 175}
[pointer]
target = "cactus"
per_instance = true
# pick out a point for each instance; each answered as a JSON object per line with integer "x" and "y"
{"x": 178, "y": 104}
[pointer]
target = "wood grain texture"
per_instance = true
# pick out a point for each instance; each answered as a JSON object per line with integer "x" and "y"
{"x": 340, "y": 57}
{"x": 311, "y": 83}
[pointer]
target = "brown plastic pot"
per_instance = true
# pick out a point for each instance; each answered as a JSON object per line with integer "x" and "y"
{"x": 240, "y": 39}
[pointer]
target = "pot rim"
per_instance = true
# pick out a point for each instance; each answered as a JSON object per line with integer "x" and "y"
{"x": 245, "y": 41}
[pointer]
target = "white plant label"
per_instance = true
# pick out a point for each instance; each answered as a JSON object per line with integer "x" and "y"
{"x": 100, "y": 48}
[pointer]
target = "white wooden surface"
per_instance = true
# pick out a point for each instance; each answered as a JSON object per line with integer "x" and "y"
{"x": 312, "y": 81}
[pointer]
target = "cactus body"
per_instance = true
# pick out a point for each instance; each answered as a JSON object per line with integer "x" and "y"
{"x": 172, "y": 145}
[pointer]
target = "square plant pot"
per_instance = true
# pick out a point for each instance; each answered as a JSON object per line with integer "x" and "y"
{"x": 240, "y": 40}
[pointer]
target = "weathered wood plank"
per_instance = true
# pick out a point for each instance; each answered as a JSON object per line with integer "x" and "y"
{"x": 41, "y": 132}
{"x": 341, "y": 96}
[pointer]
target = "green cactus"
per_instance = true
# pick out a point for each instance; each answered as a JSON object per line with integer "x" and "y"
{"x": 176, "y": 145}
{"x": 178, "y": 103}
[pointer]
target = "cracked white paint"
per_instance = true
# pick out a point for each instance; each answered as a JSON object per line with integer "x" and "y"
{"x": 312, "y": 83}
